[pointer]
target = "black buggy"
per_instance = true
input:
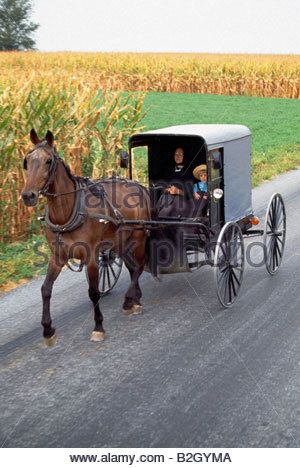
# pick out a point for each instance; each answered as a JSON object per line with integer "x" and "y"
{"x": 217, "y": 238}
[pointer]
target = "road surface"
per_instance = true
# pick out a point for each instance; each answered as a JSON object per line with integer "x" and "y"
{"x": 186, "y": 373}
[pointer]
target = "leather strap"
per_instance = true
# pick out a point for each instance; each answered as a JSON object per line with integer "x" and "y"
{"x": 80, "y": 213}
{"x": 77, "y": 217}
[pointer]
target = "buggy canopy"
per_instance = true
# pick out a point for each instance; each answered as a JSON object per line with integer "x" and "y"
{"x": 234, "y": 141}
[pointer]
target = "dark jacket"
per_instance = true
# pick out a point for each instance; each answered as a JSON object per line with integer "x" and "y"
{"x": 179, "y": 178}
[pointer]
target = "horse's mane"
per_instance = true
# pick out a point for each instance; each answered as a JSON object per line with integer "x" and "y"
{"x": 68, "y": 170}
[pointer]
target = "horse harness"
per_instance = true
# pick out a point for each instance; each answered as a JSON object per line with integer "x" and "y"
{"x": 80, "y": 213}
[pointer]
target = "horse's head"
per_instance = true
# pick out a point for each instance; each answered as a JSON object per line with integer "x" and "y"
{"x": 40, "y": 164}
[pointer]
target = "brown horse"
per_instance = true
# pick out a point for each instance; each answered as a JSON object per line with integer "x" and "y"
{"x": 75, "y": 205}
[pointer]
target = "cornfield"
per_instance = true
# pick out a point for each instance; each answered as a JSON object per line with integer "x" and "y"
{"x": 81, "y": 98}
{"x": 90, "y": 128}
{"x": 253, "y": 75}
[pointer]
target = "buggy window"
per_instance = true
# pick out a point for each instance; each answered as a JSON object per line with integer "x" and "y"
{"x": 215, "y": 176}
{"x": 139, "y": 161}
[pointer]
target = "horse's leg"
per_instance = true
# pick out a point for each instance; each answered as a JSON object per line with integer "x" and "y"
{"x": 53, "y": 271}
{"x": 132, "y": 305}
{"x": 135, "y": 265}
{"x": 93, "y": 278}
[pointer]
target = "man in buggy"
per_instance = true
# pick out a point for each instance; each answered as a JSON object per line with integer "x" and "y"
{"x": 182, "y": 197}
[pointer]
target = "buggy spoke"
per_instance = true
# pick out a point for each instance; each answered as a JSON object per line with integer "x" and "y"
{"x": 280, "y": 240}
{"x": 232, "y": 236}
{"x": 117, "y": 263}
{"x": 271, "y": 253}
{"x": 112, "y": 271}
{"x": 239, "y": 268}
{"x": 271, "y": 219}
{"x": 224, "y": 269}
{"x": 280, "y": 220}
{"x": 235, "y": 277}
{"x": 224, "y": 276}
{"x": 233, "y": 285}
{"x": 274, "y": 210}
{"x": 275, "y": 257}
{"x": 100, "y": 273}
{"x": 224, "y": 253}
{"x": 103, "y": 278}
{"x": 235, "y": 248}
{"x": 279, "y": 210}
{"x": 278, "y": 250}
{"x": 223, "y": 283}
{"x": 108, "y": 277}
{"x": 229, "y": 289}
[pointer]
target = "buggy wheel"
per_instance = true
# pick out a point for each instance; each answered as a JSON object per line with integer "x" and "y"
{"x": 229, "y": 263}
{"x": 275, "y": 233}
{"x": 110, "y": 266}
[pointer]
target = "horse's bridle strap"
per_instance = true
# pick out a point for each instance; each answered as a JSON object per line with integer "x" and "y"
{"x": 52, "y": 171}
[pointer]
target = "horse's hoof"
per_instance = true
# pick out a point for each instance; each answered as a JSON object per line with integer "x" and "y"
{"x": 137, "y": 309}
{"x": 134, "y": 310}
{"x": 98, "y": 336}
{"x": 49, "y": 342}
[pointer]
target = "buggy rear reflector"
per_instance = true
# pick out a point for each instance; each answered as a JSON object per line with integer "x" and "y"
{"x": 255, "y": 220}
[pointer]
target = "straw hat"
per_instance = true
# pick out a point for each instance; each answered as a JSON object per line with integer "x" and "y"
{"x": 202, "y": 169}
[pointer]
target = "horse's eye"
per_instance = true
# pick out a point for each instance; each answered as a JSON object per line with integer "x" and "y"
{"x": 49, "y": 161}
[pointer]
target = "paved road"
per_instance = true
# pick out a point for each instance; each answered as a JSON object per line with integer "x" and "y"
{"x": 186, "y": 373}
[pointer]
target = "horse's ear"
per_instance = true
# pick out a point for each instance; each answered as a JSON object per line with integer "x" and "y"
{"x": 34, "y": 137}
{"x": 49, "y": 138}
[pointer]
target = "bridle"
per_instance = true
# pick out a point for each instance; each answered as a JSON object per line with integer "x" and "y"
{"x": 53, "y": 166}
{"x": 52, "y": 172}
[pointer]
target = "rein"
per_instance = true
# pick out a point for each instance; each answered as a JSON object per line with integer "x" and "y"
{"x": 49, "y": 194}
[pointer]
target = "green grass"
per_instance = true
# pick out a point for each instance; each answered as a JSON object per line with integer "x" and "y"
{"x": 22, "y": 260}
{"x": 274, "y": 123}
